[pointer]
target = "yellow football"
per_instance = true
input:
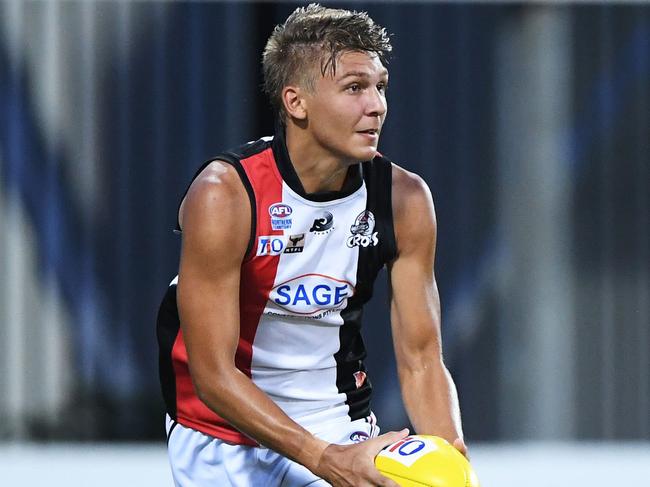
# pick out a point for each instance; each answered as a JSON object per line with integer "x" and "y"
{"x": 425, "y": 461}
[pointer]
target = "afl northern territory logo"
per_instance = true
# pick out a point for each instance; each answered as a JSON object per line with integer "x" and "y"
{"x": 280, "y": 214}
{"x": 363, "y": 231}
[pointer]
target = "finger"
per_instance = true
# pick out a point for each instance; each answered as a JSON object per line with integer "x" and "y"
{"x": 459, "y": 444}
{"x": 386, "y": 482}
{"x": 379, "y": 480}
{"x": 375, "y": 445}
{"x": 391, "y": 437}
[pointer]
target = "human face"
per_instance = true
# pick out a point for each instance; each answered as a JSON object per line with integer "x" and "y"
{"x": 345, "y": 112}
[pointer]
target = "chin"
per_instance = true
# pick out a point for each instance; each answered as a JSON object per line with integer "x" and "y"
{"x": 365, "y": 154}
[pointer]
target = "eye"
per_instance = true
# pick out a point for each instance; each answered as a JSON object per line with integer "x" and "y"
{"x": 381, "y": 87}
{"x": 354, "y": 88}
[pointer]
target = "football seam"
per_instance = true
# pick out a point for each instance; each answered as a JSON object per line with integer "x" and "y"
{"x": 404, "y": 478}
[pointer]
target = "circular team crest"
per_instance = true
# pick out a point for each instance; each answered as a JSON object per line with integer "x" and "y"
{"x": 363, "y": 234}
{"x": 359, "y": 436}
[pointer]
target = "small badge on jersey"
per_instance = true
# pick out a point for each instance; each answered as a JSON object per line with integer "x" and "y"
{"x": 280, "y": 214}
{"x": 296, "y": 244}
{"x": 363, "y": 231}
{"x": 278, "y": 244}
{"x": 323, "y": 224}
{"x": 270, "y": 245}
{"x": 358, "y": 436}
{"x": 359, "y": 379}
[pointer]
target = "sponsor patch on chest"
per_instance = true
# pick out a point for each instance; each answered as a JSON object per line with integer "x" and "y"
{"x": 279, "y": 244}
{"x": 310, "y": 295}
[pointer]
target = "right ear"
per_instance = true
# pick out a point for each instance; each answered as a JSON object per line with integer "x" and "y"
{"x": 294, "y": 102}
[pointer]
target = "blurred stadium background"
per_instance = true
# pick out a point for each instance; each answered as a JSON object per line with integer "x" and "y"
{"x": 530, "y": 122}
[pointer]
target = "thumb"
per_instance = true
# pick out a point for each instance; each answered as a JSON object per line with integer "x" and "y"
{"x": 459, "y": 444}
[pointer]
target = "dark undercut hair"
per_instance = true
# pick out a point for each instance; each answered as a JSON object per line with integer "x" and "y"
{"x": 312, "y": 36}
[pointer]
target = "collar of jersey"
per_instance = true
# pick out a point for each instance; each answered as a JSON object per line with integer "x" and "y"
{"x": 353, "y": 180}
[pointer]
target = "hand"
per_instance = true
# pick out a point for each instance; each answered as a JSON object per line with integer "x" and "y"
{"x": 459, "y": 444}
{"x": 354, "y": 465}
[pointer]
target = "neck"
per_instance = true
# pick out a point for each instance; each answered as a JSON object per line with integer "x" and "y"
{"x": 317, "y": 169}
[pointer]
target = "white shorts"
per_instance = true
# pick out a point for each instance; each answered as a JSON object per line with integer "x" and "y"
{"x": 199, "y": 460}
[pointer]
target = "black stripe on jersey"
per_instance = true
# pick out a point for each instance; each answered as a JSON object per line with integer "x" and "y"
{"x": 378, "y": 175}
{"x": 349, "y": 359}
{"x": 167, "y": 327}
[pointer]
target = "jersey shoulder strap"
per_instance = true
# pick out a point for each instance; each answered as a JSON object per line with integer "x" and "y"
{"x": 378, "y": 177}
{"x": 234, "y": 158}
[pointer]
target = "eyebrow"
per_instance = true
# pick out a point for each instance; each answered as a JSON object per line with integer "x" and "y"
{"x": 361, "y": 74}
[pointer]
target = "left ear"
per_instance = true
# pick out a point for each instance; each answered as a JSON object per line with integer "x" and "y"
{"x": 294, "y": 102}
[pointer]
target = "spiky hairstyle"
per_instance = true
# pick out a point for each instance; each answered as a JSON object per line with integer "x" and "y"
{"x": 316, "y": 36}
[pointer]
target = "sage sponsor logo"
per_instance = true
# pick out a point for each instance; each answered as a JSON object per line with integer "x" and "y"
{"x": 311, "y": 294}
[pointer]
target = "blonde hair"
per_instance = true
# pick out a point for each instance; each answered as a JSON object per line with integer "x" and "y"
{"x": 315, "y": 35}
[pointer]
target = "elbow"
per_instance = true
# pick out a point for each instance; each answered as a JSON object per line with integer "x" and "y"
{"x": 422, "y": 363}
{"x": 210, "y": 385}
{"x": 204, "y": 391}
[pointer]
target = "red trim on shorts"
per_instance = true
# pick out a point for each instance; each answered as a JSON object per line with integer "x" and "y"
{"x": 257, "y": 278}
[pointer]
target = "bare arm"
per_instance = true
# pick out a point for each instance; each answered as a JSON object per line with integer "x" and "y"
{"x": 215, "y": 219}
{"x": 428, "y": 390}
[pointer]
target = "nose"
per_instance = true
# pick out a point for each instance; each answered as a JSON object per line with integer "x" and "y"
{"x": 376, "y": 103}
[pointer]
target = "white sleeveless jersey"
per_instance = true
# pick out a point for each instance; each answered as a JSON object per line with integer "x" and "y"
{"x": 310, "y": 266}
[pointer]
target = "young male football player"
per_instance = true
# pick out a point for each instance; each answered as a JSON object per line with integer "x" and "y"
{"x": 261, "y": 354}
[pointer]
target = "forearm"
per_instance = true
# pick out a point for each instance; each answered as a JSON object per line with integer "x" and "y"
{"x": 238, "y": 400}
{"x": 431, "y": 400}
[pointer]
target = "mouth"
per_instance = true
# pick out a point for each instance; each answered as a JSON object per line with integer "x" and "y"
{"x": 369, "y": 131}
